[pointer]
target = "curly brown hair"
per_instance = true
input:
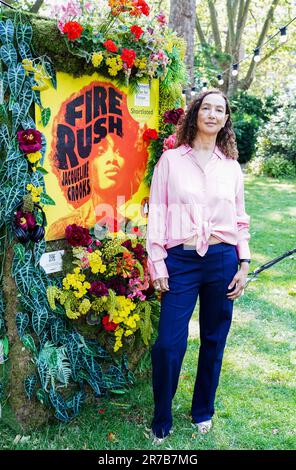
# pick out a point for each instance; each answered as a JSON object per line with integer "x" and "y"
{"x": 187, "y": 126}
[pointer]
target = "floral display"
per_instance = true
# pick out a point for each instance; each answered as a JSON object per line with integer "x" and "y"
{"x": 30, "y": 142}
{"x": 117, "y": 38}
{"x": 109, "y": 281}
{"x": 71, "y": 324}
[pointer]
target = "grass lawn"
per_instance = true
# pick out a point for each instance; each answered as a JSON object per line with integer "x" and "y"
{"x": 255, "y": 404}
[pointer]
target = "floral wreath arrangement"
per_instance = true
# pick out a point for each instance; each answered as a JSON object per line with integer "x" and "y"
{"x": 105, "y": 283}
{"x": 119, "y": 38}
{"x": 108, "y": 283}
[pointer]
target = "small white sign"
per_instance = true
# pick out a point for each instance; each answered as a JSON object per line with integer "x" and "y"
{"x": 142, "y": 98}
{"x": 51, "y": 261}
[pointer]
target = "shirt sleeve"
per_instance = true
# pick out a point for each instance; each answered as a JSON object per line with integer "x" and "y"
{"x": 157, "y": 216}
{"x": 243, "y": 220}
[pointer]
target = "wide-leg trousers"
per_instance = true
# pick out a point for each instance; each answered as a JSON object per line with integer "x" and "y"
{"x": 190, "y": 276}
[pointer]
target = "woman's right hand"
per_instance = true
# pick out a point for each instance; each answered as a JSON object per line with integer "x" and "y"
{"x": 161, "y": 284}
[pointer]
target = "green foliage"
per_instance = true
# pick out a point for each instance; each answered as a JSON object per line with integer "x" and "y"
{"x": 249, "y": 113}
{"x": 278, "y": 137}
{"x": 45, "y": 116}
{"x": 206, "y": 59}
{"x": 30, "y": 385}
{"x": 39, "y": 320}
{"x": 22, "y": 321}
{"x": 279, "y": 167}
{"x": 64, "y": 359}
{"x": 144, "y": 310}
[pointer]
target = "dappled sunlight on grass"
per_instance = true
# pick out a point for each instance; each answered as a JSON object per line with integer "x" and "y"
{"x": 257, "y": 365}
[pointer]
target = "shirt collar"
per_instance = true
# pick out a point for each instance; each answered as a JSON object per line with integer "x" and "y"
{"x": 186, "y": 149}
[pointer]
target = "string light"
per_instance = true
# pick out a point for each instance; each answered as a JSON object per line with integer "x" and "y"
{"x": 220, "y": 79}
{"x": 204, "y": 86}
{"x": 256, "y": 55}
{"x": 283, "y": 36}
{"x": 193, "y": 90}
{"x": 234, "y": 72}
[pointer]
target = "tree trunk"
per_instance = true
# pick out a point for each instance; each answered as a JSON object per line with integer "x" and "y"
{"x": 29, "y": 414}
{"x": 37, "y": 5}
{"x": 182, "y": 20}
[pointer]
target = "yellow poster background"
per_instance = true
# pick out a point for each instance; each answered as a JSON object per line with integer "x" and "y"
{"x": 77, "y": 190}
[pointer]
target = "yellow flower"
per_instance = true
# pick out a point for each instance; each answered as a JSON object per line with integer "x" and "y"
{"x": 141, "y": 63}
{"x": 97, "y": 58}
{"x": 115, "y": 64}
{"x": 35, "y": 192}
{"x": 96, "y": 263}
{"x": 34, "y": 157}
{"x": 84, "y": 307}
{"x": 76, "y": 282}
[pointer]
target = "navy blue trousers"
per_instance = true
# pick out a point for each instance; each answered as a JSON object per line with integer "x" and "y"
{"x": 190, "y": 276}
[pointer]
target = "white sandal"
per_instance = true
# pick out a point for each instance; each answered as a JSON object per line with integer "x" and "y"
{"x": 159, "y": 440}
{"x": 204, "y": 426}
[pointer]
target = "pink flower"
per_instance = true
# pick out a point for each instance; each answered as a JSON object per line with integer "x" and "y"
{"x": 169, "y": 142}
{"x": 161, "y": 18}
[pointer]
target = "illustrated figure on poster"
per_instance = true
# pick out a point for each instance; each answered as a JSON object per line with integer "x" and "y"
{"x": 98, "y": 155}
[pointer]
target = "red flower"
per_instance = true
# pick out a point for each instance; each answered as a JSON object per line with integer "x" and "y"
{"x": 110, "y": 45}
{"x": 137, "y": 31}
{"x": 128, "y": 56}
{"x": 173, "y": 116}
{"x": 77, "y": 236}
{"x": 109, "y": 325}
{"x": 101, "y": 411}
{"x": 140, "y": 8}
{"x": 29, "y": 140}
{"x": 150, "y": 134}
{"x": 73, "y": 30}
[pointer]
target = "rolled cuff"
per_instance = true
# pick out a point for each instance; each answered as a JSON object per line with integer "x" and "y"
{"x": 243, "y": 250}
{"x": 157, "y": 269}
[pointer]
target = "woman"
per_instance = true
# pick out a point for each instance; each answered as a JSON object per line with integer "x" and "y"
{"x": 198, "y": 233}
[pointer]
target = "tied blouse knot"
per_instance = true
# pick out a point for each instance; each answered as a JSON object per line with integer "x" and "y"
{"x": 187, "y": 200}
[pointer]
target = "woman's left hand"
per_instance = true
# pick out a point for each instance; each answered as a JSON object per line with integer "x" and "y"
{"x": 238, "y": 281}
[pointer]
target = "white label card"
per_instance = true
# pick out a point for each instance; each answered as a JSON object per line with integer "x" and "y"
{"x": 142, "y": 98}
{"x": 52, "y": 261}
